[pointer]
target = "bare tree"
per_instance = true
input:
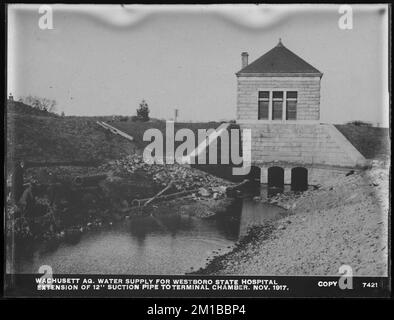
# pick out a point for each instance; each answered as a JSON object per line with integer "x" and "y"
{"x": 44, "y": 104}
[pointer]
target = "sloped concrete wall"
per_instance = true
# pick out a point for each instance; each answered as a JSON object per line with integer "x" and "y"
{"x": 304, "y": 144}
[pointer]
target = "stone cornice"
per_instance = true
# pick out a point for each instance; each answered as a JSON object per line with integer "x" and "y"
{"x": 300, "y": 74}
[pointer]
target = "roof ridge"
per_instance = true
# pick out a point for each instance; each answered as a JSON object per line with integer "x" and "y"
{"x": 280, "y": 60}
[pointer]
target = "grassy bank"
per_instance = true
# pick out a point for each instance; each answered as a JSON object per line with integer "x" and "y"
{"x": 137, "y": 129}
{"x": 371, "y": 142}
{"x": 39, "y": 138}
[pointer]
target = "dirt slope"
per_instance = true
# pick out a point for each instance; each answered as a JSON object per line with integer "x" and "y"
{"x": 345, "y": 222}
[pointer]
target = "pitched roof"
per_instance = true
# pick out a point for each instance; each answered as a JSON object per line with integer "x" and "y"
{"x": 279, "y": 61}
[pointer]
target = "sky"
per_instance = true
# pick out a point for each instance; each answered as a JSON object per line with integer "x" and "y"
{"x": 103, "y": 60}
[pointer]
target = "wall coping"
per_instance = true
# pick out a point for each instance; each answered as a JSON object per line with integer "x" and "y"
{"x": 278, "y": 121}
{"x": 285, "y": 164}
{"x": 291, "y": 75}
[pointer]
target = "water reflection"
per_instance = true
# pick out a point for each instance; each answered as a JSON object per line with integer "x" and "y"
{"x": 273, "y": 191}
{"x": 170, "y": 224}
{"x": 258, "y": 213}
{"x": 160, "y": 244}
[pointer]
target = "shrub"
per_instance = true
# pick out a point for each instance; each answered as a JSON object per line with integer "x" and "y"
{"x": 143, "y": 111}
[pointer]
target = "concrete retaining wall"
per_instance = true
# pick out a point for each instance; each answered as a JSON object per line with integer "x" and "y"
{"x": 316, "y": 175}
{"x": 309, "y": 145}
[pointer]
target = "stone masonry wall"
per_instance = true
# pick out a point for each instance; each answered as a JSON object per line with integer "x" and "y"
{"x": 308, "y": 104}
{"x": 315, "y": 175}
{"x": 309, "y": 144}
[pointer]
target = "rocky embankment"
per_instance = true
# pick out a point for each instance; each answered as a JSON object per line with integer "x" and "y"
{"x": 57, "y": 207}
{"x": 345, "y": 221}
{"x": 182, "y": 177}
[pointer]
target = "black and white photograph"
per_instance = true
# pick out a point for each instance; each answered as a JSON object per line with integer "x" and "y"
{"x": 197, "y": 150}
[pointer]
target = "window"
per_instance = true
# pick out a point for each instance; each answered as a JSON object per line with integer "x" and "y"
{"x": 277, "y": 105}
{"x": 264, "y": 100}
{"x": 291, "y": 105}
{"x": 273, "y": 103}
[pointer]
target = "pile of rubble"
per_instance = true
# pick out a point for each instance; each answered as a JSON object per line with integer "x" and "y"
{"x": 182, "y": 177}
{"x": 288, "y": 200}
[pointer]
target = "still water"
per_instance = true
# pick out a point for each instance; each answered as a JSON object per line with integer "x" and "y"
{"x": 164, "y": 244}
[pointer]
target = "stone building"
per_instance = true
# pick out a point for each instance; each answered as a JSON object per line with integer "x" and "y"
{"x": 278, "y": 98}
{"x": 278, "y": 86}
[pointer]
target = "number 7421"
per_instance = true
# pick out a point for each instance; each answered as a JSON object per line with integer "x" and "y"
{"x": 370, "y": 284}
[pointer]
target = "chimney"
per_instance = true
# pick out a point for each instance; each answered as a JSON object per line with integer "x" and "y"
{"x": 245, "y": 56}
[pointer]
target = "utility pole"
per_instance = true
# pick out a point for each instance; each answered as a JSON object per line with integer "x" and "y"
{"x": 176, "y": 111}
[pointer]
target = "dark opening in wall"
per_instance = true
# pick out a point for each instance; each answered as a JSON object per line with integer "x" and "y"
{"x": 299, "y": 179}
{"x": 276, "y": 177}
{"x": 254, "y": 174}
{"x": 254, "y": 178}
